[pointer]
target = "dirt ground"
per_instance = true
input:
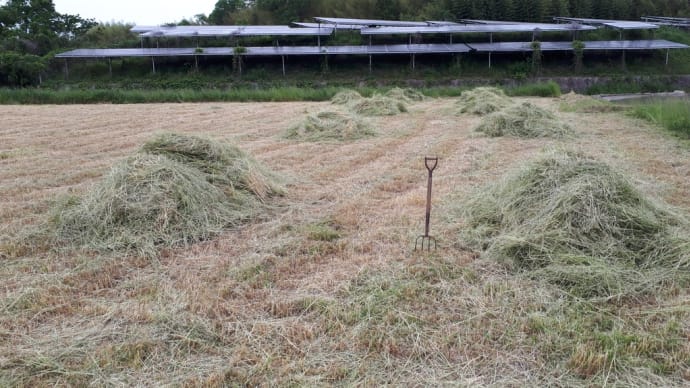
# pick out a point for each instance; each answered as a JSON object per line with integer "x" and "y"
{"x": 256, "y": 304}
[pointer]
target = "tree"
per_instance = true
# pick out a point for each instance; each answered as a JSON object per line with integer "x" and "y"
{"x": 578, "y": 54}
{"x": 109, "y": 36}
{"x": 556, "y": 8}
{"x": 581, "y": 8}
{"x": 225, "y": 12}
{"x": 387, "y": 9}
{"x": 29, "y": 31}
{"x": 536, "y": 57}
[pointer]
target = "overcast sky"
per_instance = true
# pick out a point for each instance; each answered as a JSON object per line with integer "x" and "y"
{"x": 142, "y": 12}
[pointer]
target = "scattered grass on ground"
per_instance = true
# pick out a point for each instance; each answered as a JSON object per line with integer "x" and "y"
{"x": 330, "y": 125}
{"x": 326, "y": 291}
{"x": 482, "y": 101}
{"x": 524, "y": 120}
{"x": 574, "y": 222}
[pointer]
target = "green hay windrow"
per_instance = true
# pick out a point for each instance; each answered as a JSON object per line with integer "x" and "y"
{"x": 407, "y": 95}
{"x": 177, "y": 190}
{"x": 572, "y": 221}
{"x": 524, "y": 120}
{"x": 346, "y": 97}
{"x": 482, "y": 101}
{"x": 330, "y": 125}
{"x": 378, "y": 105}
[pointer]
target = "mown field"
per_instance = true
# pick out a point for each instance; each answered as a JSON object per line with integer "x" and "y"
{"x": 324, "y": 287}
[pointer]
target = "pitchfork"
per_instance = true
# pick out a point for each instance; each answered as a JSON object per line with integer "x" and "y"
{"x": 426, "y": 238}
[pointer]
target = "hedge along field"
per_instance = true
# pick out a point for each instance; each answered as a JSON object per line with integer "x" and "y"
{"x": 324, "y": 288}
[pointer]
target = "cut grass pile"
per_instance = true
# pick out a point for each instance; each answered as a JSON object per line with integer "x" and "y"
{"x": 407, "y": 95}
{"x": 378, "y": 105}
{"x": 573, "y": 102}
{"x": 223, "y": 164}
{"x": 346, "y": 97}
{"x": 482, "y": 101}
{"x": 572, "y": 221}
{"x": 330, "y": 125}
{"x": 524, "y": 120}
{"x": 177, "y": 190}
{"x": 389, "y": 104}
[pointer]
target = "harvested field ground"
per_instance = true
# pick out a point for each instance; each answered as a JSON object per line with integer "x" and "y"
{"x": 327, "y": 290}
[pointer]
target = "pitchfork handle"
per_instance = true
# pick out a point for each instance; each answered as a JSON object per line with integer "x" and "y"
{"x": 428, "y": 192}
{"x": 426, "y": 163}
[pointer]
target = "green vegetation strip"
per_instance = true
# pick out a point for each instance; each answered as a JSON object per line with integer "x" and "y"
{"x": 672, "y": 115}
{"x": 539, "y": 89}
{"x": 243, "y": 94}
{"x": 119, "y": 96}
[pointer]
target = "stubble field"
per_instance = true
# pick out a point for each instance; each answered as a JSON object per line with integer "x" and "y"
{"x": 325, "y": 288}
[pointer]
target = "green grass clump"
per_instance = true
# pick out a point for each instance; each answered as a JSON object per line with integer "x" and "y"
{"x": 406, "y": 95}
{"x": 524, "y": 120}
{"x": 378, "y": 105}
{"x": 572, "y": 102}
{"x": 177, "y": 190}
{"x": 482, "y": 101}
{"x": 574, "y": 222}
{"x": 541, "y": 89}
{"x": 346, "y": 97}
{"x": 330, "y": 125}
{"x": 672, "y": 115}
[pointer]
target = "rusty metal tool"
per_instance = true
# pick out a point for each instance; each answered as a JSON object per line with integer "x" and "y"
{"x": 426, "y": 238}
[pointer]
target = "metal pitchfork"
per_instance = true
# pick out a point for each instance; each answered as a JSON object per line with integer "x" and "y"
{"x": 426, "y": 238}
